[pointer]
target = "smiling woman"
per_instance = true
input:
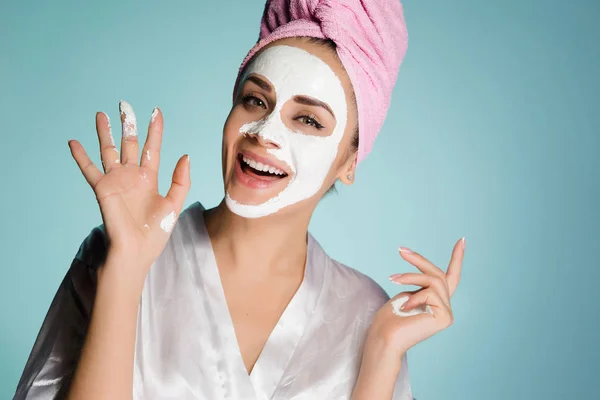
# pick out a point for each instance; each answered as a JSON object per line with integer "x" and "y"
{"x": 240, "y": 301}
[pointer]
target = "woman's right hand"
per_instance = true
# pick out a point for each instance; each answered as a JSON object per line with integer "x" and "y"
{"x": 137, "y": 219}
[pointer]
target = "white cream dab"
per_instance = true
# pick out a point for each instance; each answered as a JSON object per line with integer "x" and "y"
{"x": 292, "y": 72}
{"x": 168, "y": 222}
{"x": 110, "y": 135}
{"x": 129, "y": 122}
{"x": 396, "y": 304}
{"x": 154, "y": 114}
{"x": 148, "y": 155}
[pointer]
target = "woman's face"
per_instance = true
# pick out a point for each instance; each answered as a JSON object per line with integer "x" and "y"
{"x": 287, "y": 137}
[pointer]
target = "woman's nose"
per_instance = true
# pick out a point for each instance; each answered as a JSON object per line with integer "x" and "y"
{"x": 267, "y": 142}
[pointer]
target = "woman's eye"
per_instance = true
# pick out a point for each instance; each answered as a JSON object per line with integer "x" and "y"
{"x": 305, "y": 119}
{"x": 254, "y": 101}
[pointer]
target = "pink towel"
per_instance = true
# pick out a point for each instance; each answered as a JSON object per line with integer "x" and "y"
{"x": 371, "y": 41}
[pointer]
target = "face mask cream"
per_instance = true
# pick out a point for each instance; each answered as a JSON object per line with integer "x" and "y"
{"x": 292, "y": 72}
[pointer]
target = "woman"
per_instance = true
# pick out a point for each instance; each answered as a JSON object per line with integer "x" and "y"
{"x": 240, "y": 302}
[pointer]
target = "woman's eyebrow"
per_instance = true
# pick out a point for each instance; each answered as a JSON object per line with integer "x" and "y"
{"x": 309, "y": 101}
{"x": 264, "y": 85}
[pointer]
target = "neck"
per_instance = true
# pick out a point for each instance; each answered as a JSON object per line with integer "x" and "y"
{"x": 258, "y": 246}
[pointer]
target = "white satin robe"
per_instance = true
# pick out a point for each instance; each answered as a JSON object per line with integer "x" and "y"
{"x": 186, "y": 346}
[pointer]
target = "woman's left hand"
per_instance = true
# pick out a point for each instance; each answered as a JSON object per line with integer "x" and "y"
{"x": 401, "y": 324}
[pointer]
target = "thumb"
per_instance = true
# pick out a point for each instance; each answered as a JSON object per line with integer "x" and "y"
{"x": 180, "y": 184}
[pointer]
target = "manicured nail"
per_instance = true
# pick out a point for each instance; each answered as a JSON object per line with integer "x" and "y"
{"x": 405, "y": 250}
{"x": 154, "y": 114}
{"x": 464, "y": 242}
{"x": 395, "y": 278}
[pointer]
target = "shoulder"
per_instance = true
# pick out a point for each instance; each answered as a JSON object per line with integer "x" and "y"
{"x": 346, "y": 286}
{"x": 192, "y": 214}
{"x": 92, "y": 251}
{"x": 357, "y": 284}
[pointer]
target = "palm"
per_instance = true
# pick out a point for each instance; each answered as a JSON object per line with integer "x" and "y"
{"x": 135, "y": 188}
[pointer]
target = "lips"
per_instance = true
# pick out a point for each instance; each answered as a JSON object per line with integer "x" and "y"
{"x": 258, "y": 172}
{"x": 260, "y": 168}
{"x": 265, "y": 160}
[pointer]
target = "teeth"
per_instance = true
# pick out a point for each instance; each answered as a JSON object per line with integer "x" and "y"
{"x": 262, "y": 167}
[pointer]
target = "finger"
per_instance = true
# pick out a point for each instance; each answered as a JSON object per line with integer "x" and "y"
{"x": 180, "y": 184}
{"x": 109, "y": 154}
{"x": 422, "y": 280}
{"x": 441, "y": 294}
{"x": 91, "y": 173}
{"x": 151, "y": 150}
{"x": 423, "y": 264}
{"x": 129, "y": 139}
{"x": 426, "y": 297}
{"x": 455, "y": 266}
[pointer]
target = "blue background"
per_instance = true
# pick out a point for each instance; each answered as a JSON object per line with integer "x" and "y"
{"x": 493, "y": 134}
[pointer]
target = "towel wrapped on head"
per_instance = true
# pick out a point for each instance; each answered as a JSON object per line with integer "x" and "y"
{"x": 371, "y": 40}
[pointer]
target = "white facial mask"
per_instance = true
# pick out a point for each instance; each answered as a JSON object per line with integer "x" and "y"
{"x": 292, "y": 72}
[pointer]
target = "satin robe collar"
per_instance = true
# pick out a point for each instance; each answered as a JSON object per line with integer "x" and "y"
{"x": 283, "y": 340}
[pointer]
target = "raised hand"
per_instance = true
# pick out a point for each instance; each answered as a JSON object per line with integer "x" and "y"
{"x": 137, "y": 219}
{"x": 411, "y": 317}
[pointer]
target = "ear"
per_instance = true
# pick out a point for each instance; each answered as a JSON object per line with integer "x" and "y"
{"x": 347, "y": 171}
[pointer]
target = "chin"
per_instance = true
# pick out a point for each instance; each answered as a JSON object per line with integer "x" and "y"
{"x": 250, "y": 197}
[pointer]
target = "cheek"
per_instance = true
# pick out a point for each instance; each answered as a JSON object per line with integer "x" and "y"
{"x": 314, "y": 157}
{"x": 341, "y": 158}
{"x": 231, "y": 130}
{"x": 231, "y": 135}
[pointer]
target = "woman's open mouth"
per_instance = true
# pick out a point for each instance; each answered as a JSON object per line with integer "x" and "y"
{"x": 256, "y": 174}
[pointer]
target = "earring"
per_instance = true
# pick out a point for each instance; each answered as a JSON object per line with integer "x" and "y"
{"x": 349, "y": 177}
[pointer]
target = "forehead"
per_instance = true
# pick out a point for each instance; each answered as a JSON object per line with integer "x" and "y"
{"x": 293, "y": 71}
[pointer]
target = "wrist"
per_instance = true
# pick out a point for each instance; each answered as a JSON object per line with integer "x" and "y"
{"x": 380, "y": 355}
{"x": 122, "y": 274}
{"x": 379, "y": 371}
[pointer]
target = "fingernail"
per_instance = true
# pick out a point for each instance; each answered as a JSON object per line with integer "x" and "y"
{"x": 129, "y": 121}
{"x": 464, "y": 242}
{"x": 154, "y": 114}
{"x": 405, "y": 250}
{"x": 187, "y": 156}
{"x": 395, "y": 278}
